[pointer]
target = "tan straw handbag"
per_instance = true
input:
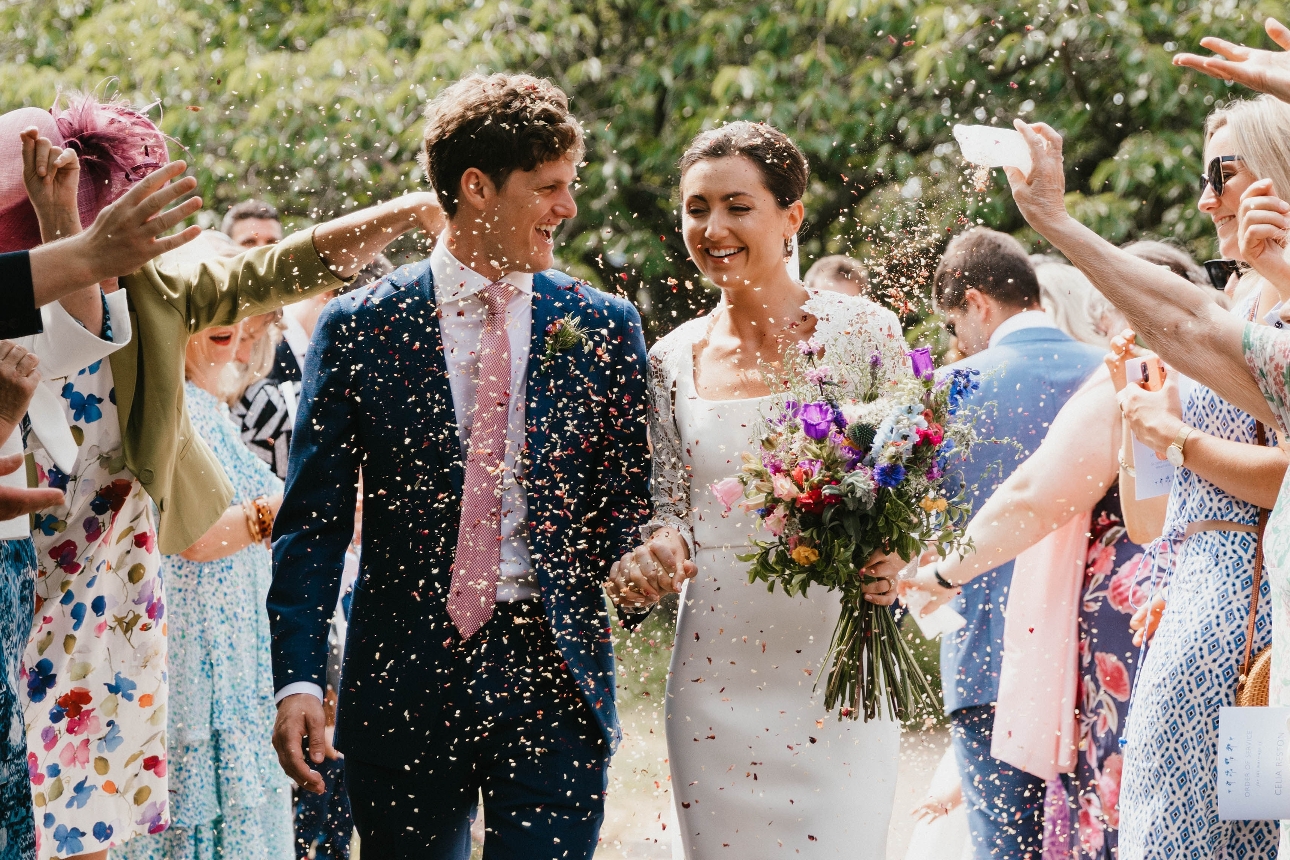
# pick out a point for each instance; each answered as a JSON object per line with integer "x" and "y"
{"x": 1256, "y": 669}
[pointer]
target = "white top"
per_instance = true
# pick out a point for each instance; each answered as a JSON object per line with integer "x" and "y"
{"x": 461, "y": 324}
{"x": 1017, "y": 322}
{"x": 296, "y": 337}
{"x": 64, "y": 348}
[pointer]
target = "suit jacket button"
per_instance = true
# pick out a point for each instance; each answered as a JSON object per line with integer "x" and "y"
{"x": 146, "y": 476}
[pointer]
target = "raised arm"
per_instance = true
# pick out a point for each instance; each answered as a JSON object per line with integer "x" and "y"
{"x": 349, "y": 243}
{"x": 1178, "y": 319}
{"x": 1069, "y": 473}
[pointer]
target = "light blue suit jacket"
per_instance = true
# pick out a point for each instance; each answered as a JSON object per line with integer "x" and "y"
{"x": 1025, "y": 379}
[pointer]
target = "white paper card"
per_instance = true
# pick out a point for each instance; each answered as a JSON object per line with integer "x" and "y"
{"x": 943, "y": 620}
{"x": 990, "y": 146}
{"x": 1253, "y": 778}
{"x": 1155, "y": 476}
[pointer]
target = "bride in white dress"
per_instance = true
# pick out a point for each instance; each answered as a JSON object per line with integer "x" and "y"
{"x": 759, "y": 768}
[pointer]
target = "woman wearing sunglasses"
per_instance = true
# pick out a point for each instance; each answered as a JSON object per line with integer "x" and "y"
{"x": 1168, "y": 798}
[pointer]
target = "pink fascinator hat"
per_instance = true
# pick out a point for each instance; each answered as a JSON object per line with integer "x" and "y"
{"x": 116, "y": 145}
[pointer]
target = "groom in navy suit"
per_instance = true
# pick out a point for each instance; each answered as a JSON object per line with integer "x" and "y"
{"x": 496, "y": 408}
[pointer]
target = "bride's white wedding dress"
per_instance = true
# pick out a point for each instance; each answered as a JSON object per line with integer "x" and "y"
{"x": 759, "y": 768}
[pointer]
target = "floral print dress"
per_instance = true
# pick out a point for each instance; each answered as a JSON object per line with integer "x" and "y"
{"x": 94, "y": 669}
{"x": 229, "y": 796}
{"x": 1115, "y": 584}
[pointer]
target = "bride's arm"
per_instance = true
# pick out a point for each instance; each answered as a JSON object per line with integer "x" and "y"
{"x": 1069, "y": 473}
{"x": 635, "y": 581}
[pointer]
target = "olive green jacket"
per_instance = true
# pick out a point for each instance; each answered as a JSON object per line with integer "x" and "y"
{"x": 169, "y": 302}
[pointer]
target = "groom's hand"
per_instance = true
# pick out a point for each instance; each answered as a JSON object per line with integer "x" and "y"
{"x": 299, "y": 717}
{"x": 659, "y": 566}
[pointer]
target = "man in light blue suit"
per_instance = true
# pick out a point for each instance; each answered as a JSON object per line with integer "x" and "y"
{"x": 989, "y": 294}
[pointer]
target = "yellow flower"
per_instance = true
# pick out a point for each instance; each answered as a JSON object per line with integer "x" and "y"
{"x": 941, "y": 505}
{"x": 805, "y": 555}
{"x": 928, "y": 504}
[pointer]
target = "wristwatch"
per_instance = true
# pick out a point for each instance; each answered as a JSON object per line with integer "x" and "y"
{"x": 1174, "y": 453}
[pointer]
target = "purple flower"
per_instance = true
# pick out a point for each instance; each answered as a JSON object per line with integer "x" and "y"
{"x": 921, "y": 359}
{"x": 816, "y": 419}
{"x": 889, "y": 474}
{"x": 875, "y": 360}
{"x": 934, "y": 472}
{"x": 771, "y": 461}
{"x": 810, "y": 468}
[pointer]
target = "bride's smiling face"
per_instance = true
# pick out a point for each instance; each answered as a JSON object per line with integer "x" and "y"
{"x": 734, "y": 228}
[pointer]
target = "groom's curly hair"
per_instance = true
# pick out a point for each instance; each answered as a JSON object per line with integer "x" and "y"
{"x": 497, "y": 124}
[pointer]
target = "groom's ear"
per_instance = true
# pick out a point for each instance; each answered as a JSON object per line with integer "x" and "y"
{"x": 477, "y": 189}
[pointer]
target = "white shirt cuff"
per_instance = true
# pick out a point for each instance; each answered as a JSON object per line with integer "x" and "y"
{"x": 298, "y": 687}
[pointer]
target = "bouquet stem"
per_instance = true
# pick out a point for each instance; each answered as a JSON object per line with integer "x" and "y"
{"x": 871, "y": 662}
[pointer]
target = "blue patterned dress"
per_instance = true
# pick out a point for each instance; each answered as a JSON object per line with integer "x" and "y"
{"x": 1169, "y": 797}
{"x": 229, "y": 797}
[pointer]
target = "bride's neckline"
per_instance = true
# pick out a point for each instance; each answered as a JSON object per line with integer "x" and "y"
{"x": 692, "y": 368}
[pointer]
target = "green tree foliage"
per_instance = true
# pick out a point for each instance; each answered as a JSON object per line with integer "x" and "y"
{"x": 315, "y": 105}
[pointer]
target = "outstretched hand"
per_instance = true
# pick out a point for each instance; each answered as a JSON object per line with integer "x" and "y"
{"x": 1041, "y": 195}
{"x": 1265, "y": 71}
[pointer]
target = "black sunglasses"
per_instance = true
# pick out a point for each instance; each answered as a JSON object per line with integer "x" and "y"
{"x": 1221, "y": 271}
{"x": 1214, "y": 175}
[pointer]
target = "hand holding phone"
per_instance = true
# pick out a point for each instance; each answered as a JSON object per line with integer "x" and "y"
{"x": 1146, "y": 371}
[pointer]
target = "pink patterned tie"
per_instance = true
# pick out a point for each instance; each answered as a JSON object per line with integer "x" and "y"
{"x": 479, "y": 537}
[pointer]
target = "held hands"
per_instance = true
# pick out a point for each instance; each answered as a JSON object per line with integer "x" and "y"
{"x": 51, "y": 175}
{"x": 1041, "y": 196}
{"x": 1123, "y": 347}
{"x": 1264, "y": 220}
{"x": 659, "y": 566}
{"x": 301, "y": 718}
{"x": 884, "y": 571}
{"x": 1155, "y": 417}
{"x": 1265, "y": 71}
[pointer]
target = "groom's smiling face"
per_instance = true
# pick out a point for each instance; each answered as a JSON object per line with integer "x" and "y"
{"x": 512, "y": 227}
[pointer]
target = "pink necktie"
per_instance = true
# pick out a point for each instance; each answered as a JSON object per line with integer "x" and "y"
{"x": 479, "y": 537}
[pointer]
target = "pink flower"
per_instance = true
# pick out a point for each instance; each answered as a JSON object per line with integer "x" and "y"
{"x": 728, "y": 491}
{"x": 776, "y": 521}
{"x": 75, "y": 755}
{"x": 1124, "y": 593}
{"x": 1090, "y": 826}
{"x": 1108, "y": 788}
{"x": 85, "y": 723}
{"x": 1112, "y": 675}
{"x": 784, "y": 487}
{"x": 145, "y": 540}
{"x": 1100, "y": 560}
{"x": 49, "y": 737}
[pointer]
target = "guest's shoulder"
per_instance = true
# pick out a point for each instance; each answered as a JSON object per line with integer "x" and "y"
{"x": 586, "y": 294}
{"x": 404, "y": 293}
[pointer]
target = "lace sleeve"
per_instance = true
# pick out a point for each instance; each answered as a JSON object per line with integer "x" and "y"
{"x": 852, "y": 329}
{"x": 670, "y": 480}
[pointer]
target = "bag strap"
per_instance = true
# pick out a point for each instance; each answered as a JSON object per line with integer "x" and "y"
{"x": 1260, "y": 436}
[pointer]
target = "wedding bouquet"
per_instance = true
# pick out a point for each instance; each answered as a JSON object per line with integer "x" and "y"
{"x": 851, "y": 464}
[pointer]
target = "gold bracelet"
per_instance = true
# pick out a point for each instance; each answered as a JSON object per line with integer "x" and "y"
{"x": 263, "y": 516}
{"x": 1124, "y": 464}
{"x": 252, "y": 527}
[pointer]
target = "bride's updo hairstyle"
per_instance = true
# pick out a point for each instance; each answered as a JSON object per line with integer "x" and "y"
{"x": 782, "y": 165}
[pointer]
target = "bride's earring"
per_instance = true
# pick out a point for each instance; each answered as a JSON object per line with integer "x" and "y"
{"x": 788, "y": 249}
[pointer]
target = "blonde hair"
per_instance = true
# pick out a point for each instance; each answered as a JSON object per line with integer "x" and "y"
{"x": 1064, "y": 293}
{"x": 1260, "y": 130}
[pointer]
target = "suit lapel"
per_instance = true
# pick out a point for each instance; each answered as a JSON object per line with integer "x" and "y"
{"x": 441, "y": 391}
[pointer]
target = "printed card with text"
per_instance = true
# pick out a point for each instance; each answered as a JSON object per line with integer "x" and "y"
{"x": 1253, "y": 771}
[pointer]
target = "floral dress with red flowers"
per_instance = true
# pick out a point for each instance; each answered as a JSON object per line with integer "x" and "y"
{"x": 94, "y": 669}
{"x": 1115, "y": 584}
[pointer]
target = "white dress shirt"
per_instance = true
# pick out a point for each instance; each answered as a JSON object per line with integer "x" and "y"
{"x": 64, "y": 348}
{"x": 1017, "y": 322}
{"x": 461, "y": 324}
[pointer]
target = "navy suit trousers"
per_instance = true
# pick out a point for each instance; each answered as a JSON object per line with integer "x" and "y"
{"x": 1005, "y": 805}
{"x": 513, "y": 725}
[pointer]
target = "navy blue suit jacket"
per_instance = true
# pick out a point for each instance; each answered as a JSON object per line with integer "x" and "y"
{"x": 1025, "y": 379}
{"x": 376, "y": 395}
